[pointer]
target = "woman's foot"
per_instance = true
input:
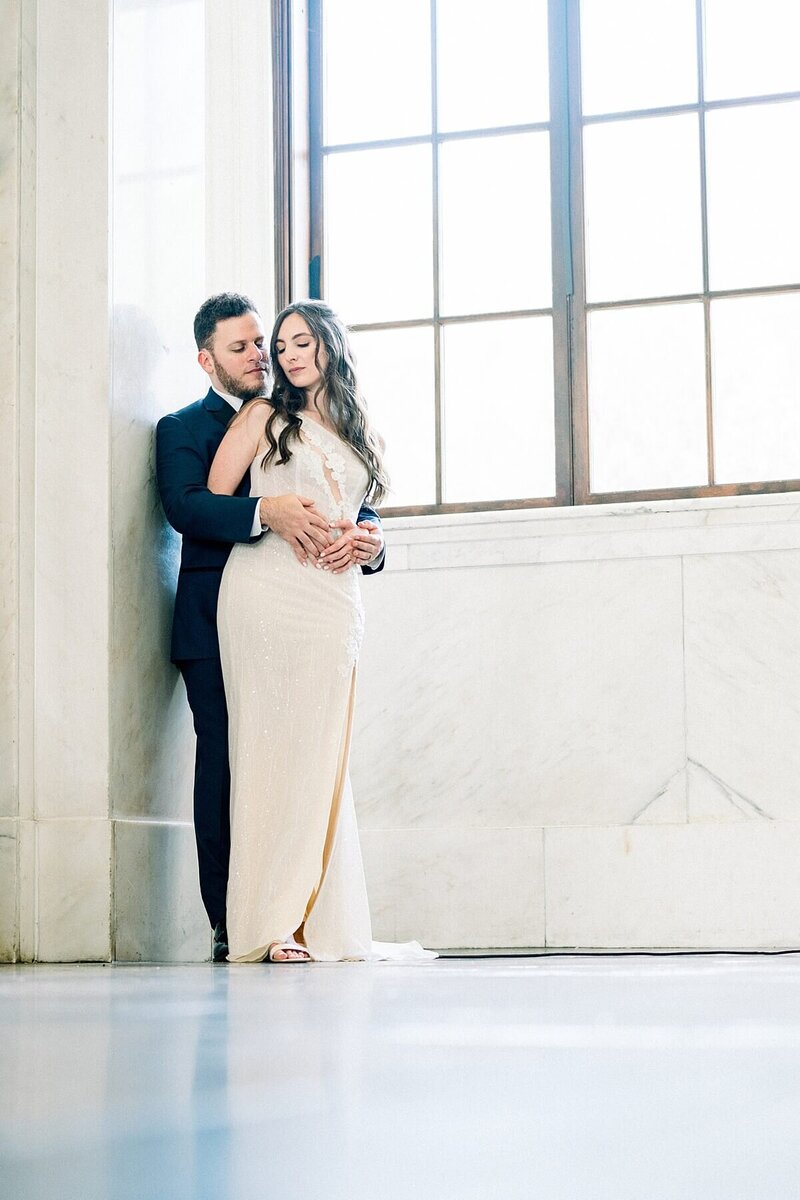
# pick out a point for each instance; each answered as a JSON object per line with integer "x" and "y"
{"x": 281, "y": 952}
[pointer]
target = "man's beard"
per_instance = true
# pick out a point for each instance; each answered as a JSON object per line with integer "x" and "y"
{"x": 238, "y": 387}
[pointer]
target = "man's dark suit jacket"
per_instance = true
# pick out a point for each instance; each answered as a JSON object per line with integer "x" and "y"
{"x": 186, "y": 442}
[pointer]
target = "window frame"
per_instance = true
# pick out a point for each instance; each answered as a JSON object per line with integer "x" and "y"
{"x": 297, "y": 95}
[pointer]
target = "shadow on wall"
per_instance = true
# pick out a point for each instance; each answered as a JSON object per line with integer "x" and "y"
{"x": 151, "y": 737}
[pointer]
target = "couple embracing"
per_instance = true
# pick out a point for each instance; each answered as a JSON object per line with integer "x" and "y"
{"x": 269, "y": 478}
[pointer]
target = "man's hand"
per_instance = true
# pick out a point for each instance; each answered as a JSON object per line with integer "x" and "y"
{"x": 296, "y": 520}
{"x": 357, "y": 546}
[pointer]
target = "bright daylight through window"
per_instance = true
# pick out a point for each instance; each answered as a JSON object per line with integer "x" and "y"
{"x": 564, "y": 234}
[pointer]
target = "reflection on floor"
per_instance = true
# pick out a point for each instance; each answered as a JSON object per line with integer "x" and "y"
{"x": 609, "y": 1078}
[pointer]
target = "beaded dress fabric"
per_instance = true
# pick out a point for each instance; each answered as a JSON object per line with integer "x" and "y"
{"x": 289, "y": 640}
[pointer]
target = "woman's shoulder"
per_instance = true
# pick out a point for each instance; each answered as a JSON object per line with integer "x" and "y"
{"x": 259, "y": 405}
{"x": 253, "y": 415}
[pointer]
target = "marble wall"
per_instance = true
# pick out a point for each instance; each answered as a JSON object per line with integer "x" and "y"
{"x": 574, "y": 727}
{"x": 10, "y": 106}
{"x": 579, "y": 727}
{"x": 56, "y": 80}
{"x": 192, "y": 215}
{"x": 135, "y": 179}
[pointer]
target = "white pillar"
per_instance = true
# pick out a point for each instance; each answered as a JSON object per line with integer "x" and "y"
{"x": 136, "y": 178}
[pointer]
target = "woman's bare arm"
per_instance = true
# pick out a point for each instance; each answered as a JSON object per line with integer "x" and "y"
{"x": 294, "y": 518}
{"x": 238, "y": 449}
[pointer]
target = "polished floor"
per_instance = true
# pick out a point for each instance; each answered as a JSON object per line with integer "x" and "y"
{"x": 555, "y": 1078}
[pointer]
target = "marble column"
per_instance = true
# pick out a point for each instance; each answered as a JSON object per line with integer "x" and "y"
{"x": 56, "y": 207}
{"x": 192, "y": 204}
{"x": 136, "y": 178}
{"x": 10, "y": 122}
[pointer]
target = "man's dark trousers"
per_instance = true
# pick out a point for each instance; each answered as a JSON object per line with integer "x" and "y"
{"x": 212, "y": 780}
{"x": 186, "y": 442}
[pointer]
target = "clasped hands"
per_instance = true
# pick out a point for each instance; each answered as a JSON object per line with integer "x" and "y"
{"x": 311, "y": 537}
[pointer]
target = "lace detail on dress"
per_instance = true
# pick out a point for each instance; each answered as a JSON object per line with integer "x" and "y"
{"x": 353, "y": 644}
{"x": 329, "y": 466}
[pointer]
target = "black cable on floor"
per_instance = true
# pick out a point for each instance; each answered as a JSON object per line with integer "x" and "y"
{"x": 610, "y": 953}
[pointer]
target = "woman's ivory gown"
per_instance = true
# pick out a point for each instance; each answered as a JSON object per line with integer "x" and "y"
{"x": 289, "y": 639}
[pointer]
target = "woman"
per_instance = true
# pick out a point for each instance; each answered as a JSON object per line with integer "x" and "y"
{"x": 289, "y": 638}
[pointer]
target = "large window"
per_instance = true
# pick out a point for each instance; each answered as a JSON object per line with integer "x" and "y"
{"x": 564, "y": 233}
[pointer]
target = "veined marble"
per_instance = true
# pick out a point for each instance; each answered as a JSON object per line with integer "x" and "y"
{"x": 589, "y": 713}
{"x": 456, "y": 887}
{"x": 690, "y": 886}
{"x": 159, "y": 915}
{"x": 641, "y": 529}
{"x": 548, "y": 695}
{"x": 72, "y": 593}
{"x": 73, "y": 872}
{"x": 9, "y": 341}
{"x": 158, "y": 184}
{"x": 743, "y": 684}
{"x": 8, "y": 891}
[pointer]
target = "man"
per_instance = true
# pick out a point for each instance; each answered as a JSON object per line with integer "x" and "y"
{"x": 231, "y": 350}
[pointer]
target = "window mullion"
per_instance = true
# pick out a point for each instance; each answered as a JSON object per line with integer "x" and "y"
{"x": 437, "y": 329}
{"x": 579, "y": 412}
{"x": 562, "y": 257}
{"x": 316, "y": 281}
{"x": 281, "y": 100}
{"x": 704, "y": 229}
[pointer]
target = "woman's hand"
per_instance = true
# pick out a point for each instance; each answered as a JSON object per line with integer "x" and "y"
{"x": 296, "y": 520}
{"x": 357, "y": 546}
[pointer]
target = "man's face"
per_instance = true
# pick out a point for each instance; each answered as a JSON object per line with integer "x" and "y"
{"x": 236, "y": 360}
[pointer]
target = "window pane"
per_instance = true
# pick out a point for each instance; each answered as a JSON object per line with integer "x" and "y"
{"x": 637, "y": 55}
{"x": 492, "y": 67}
{"x": 499, "y": 444}
{"x": 751, "y": 49}
{"x": 395, "y": 371}
{"x": 377, "y": 70}
{"x": 756, "y": 387}
{"x": 378, "y": 234}
{"x": 642, "y": 195}
{"x": 495, "y": 230}
{"x": 647, "y": 407}
{"x": 753, "y": 195}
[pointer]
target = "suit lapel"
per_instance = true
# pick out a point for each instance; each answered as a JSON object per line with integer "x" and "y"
{"x": 219, "y": 408}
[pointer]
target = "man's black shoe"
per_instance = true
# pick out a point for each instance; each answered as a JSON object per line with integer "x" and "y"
{"x": 219, "y": 950}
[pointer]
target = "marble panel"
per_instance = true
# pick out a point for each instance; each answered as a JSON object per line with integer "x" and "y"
{"x": 680, "y": 886}
{"x": 573, "y": 534}
{"x": 522, "y": 696}
{"x": 743, "y": 685}
{"x": 651, "y": 515}
{"x": 456, "y": 887}
{"x": 158, "y": 251}
{"x": 152, "y": 744}
{"x": 73, "y": 880}
{"x": 396, "y": 554}
{"x": 240, "y": 241}
{"x": 9, "y": 341}
{"x": 26, "y": 427}
{"x": 26, "y": 883}
{"x": 72, "y": 402}
{"x": 9, "y": 941}
{"x": 623, "y": 542}
{"x": 159, "y": 916}
{"x": 152, "y": 756}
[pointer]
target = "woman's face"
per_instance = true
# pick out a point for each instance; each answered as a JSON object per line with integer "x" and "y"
{"x": 295, "y": 350}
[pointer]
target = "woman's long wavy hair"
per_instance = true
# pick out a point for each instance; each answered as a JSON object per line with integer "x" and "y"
{"x": 346, "y": 405}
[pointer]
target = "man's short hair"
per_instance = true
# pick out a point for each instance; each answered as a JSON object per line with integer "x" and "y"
{"x": 216, "y": 309}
